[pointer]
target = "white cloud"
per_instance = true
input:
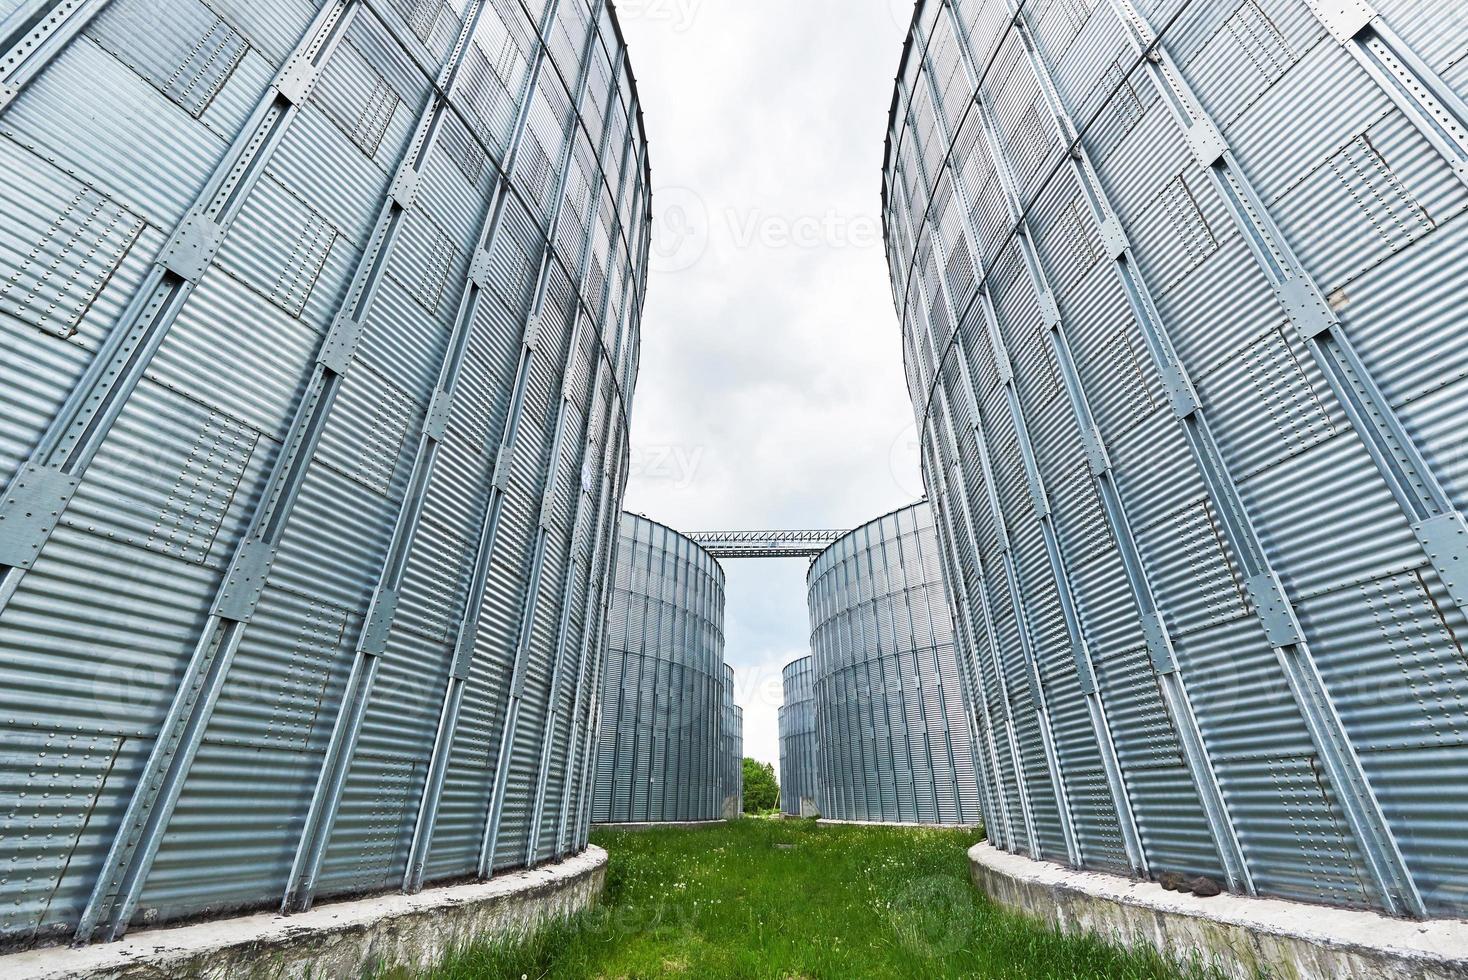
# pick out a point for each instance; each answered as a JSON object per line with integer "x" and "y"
{"x": 771, "y": 361}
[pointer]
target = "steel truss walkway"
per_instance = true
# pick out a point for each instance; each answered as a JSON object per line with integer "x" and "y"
{"x": 766, "y": 544}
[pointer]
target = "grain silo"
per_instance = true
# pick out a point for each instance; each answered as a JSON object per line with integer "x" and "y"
{"x": 1175, "y": 289}
{"x": 661, "y": 755}
{"x": 317, "y": 324}
{"x": 894, "y": 739}
{"x": 797, "y": 719}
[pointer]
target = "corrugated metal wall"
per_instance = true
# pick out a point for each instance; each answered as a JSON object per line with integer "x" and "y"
{"x": 891, "y": 706}
{"x": 311, "y": 445}
{"x": 731, "y": 750}
{"x": 798, "y": 776}
{"x": 1181, "y": 286}
{"x": 660, "y": 750}
{"x": 738, "y": 759}
{"x": 736, "y": 763}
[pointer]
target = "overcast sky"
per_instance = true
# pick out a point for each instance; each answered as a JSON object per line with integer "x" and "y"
{"x": 771, "y": 393}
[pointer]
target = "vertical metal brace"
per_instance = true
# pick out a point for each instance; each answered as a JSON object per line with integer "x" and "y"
{"x": 979, "y": 721}
{"x": 582, "y": 748}
{"x": 537, "y": 570}
{"x": 587, "y": 659}
{"x": 1033, "y": 677}
{"x": 592, "y": 646}
{"x": 1412, "y": 480}
{"x": 382, "y": 608}
{"x": 596, "y": 634}
{"x": 125, "y": 869}
{"x": 947, "y": 728}
{"x": 1154, "y": 629}
{"x": 867, "y": 552}
{"x": 1429, "y": 103}
{"x": 847, "y": 774}
{"x": 75, "y": 434}
{"x": 623, "y": 353}
{"x": 522, "y": 651}
{"x": 1079, "y": 651}
{"x": 507, "y": 452}
{"x": 562, "y": 637}
{"x": 853, "y": 759}
{"x": 131, "y": 855}
{"x": 1184, "y": 719}
{"x": 1328, "y": 345}
{"x": 33, "y": 35}
{"x": 464, "y": 641}
{"x": 981, "y": 725}
{"x": 959, "y": 586}
{"x": 558, "y": 671}
{"x": 593, "y": 652}
{"x": 976, "y": 716}
{"x": 1079, "y": 643}
{"x": 972, "y": 539}
{"x": 963, "y": 685}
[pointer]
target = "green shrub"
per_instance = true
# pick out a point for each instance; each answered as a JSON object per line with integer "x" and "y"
{"x": 761, "y": 792}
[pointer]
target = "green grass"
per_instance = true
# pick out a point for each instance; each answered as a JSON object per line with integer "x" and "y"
{"x": 788, "y": 899}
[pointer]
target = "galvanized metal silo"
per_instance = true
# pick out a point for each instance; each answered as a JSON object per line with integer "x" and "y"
{"x": 1174, "y": 286}
{"x": 318, "y": 327}
{"x": 798, "y": 748}
{"x": 661, "y": 746}
{"x": 738, "y": 760}
{"x": 731, "y": 758}
{"x": 895, "y": 744}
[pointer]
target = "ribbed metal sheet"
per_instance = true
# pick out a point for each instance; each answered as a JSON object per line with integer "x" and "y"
{"x": 894, "y": 742}
{"x": 799, "y": 748}
{"x": 730, "y": 760}
{"x": 737, "y": 760}
{"x": 661, "y": 753}
{"x": 331, "y": 444}
{"x": 1175, "y": 281}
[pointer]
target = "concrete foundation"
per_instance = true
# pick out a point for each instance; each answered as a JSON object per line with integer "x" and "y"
{"x": 338, "y": 940}
{"x": 1242, "y": 937}
{"x": 909, "y": 826}
{"x": 677, "y": 825}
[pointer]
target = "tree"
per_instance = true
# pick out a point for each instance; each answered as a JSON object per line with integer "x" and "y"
{"x": 761, "y": 792}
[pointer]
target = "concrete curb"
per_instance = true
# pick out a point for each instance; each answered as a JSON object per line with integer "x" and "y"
{"x": 1242, "y": 937}
{"x": 674, "y": 825}
{"x": 890, "y": 823}
{"x": 337, "y": 940}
